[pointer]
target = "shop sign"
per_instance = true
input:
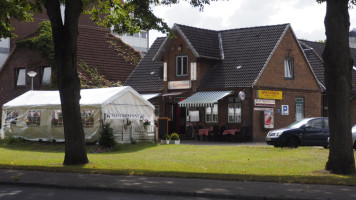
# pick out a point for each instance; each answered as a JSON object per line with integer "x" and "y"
{"x": 124, "y": 116}
{"x": 265, "y": 102}
{"x": 173, "y": 85}
{"x": 269, "y": 94}
{"x": 285, "y": 110}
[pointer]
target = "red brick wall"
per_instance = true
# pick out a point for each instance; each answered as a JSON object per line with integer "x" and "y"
{"x": 302, "y": 85}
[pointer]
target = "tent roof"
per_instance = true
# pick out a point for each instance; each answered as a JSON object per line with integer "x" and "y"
{"x": 89, "y": 97}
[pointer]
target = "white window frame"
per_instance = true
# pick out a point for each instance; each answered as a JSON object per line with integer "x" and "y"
{"x": 182, "y": 65}
{"x": 20, "y": 76}
{"x": 235, "y": 115}
{"x": 46, "y": 75}
{"x": 289, "y": 68}
{"x": 193, "y": 71}
{"x": 211, "y": 113}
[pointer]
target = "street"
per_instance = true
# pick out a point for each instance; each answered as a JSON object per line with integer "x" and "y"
{"x": 44, "y": 193}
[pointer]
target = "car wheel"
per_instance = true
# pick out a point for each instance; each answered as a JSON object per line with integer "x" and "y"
{"x": 292, "y": 142}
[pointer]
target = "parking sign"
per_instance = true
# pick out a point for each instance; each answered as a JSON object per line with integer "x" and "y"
{"x": 285, "y": 110}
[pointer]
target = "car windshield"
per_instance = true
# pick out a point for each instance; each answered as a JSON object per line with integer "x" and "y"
{"x": 298, "y": 124}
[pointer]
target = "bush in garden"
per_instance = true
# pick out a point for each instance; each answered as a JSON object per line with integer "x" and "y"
{"x": 107, "y": 138}
{"x": 174, "y": 136}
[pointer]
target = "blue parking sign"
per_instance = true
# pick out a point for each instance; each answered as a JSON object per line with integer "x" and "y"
{"x": 285, "y": 110}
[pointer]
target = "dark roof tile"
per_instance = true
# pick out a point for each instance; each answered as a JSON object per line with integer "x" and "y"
{"x": 147, "y": 76}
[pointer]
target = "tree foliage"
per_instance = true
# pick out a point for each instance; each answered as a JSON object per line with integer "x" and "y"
{"x": 130, "y": 17}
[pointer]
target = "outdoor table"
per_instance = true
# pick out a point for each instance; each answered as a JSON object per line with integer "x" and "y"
{"x": 204, "y": 131}
{"x": 231, "y": 131}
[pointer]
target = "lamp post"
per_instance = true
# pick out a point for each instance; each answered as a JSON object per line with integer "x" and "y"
{"x": 31, "y": 74}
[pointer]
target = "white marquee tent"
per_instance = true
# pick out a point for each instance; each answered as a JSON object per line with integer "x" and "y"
{"x": 36, "y": 115}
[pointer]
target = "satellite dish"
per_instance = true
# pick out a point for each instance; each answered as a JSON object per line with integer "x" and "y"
{"x": 242, "y": 95}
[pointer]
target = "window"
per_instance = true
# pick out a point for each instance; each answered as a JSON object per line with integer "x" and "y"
{"x": 11, "y": 117}
{"x": 299, "y": 108}
{"x": 289, "y": 68}
{"x": 234, "y": 113}
{"x": 156, "y": 111}
{"x": 33, "y": 118}
{"x": 211, "y": 114}
{"x": 144, "y": 35}
{"x": 234, "y": 110}
{"x": 46, "y": 75}
{"x": 20, "y": 77}
{"x": 87, "y": 118}
{"x": 182, "y": 65}
{"x": 316, "y": 123}
{"x": 57, "y": 118}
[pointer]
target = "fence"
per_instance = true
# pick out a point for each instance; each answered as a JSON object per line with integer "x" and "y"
{"x": 131, "y": 134}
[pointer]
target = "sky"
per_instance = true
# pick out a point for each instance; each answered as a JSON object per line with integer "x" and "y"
{"x": 305, "y": 16}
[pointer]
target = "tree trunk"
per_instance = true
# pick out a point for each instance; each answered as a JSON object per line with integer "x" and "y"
{"x": 338, "y": 65}
{"x": 65, "y": 50}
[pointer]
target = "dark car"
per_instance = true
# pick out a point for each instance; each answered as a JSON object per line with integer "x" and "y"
{"x": 306, "y": 132}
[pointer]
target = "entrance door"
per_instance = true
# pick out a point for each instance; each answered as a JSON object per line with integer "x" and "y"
{"x": 180, "y": 119}
{"x": 299, "y": 108}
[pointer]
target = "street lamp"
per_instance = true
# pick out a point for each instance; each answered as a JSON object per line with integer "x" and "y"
{"x": 31, "y": 74}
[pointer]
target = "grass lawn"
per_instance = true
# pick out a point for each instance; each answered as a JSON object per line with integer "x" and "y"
{"x": 244, "y": 163}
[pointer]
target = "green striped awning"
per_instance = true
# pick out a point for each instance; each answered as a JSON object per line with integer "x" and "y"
{"x": 204, "y": 99}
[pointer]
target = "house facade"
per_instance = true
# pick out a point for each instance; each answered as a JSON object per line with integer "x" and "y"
{"x": 252, "y": 79}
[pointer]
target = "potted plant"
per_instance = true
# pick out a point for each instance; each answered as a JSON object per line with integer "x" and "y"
{"x": 175, "y": 138}
{"x": 128, "y": 123}
{"x": 165, "y": 139}
{"x": 146, "y": 123}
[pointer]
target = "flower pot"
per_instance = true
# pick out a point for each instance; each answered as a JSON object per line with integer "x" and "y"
{"x": 164, "y": 142}
{"x": 174, "y": 142}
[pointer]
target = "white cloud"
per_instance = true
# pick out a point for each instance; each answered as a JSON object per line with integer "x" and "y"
{"x": 305, "y": 16}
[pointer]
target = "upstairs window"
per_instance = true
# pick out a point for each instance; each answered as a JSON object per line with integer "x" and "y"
{"x": 46, "y": 75}
{"x": 289, "y": 68}
{"x": 20, "y": 76}
{"x": 182, "y": 65}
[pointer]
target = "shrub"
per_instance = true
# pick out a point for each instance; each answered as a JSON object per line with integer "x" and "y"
{"x": 166, "y": 137}
{"x": 107, "y": 138}
{"x": 174, "y": 136}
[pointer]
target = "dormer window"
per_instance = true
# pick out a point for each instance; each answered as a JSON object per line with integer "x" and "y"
{"x": 182, "y": 65}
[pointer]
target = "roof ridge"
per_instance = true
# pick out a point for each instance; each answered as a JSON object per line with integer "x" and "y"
{"x": 232, "y": 29}
{"x": 253, "y": 27}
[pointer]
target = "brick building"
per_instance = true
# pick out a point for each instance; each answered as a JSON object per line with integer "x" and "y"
{"x": 197, "y": 78}
{"x": 97, "y": 47}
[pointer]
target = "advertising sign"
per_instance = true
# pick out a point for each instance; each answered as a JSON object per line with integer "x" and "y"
{"x": 265, "y": 102}
{"x": 269, "y": 94}
{"x": 124, "y": 116}
{"x": 285, "y": 110}
{"x": 268, "y": 119}
{"x": 172, "y": 85}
